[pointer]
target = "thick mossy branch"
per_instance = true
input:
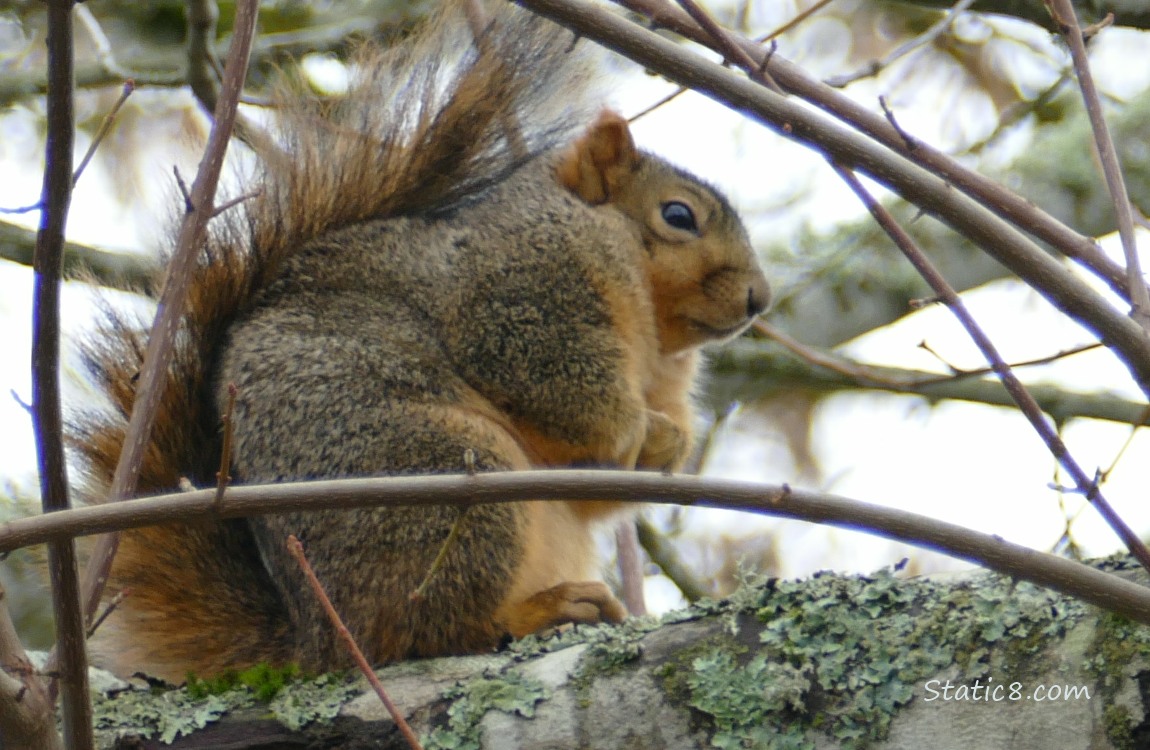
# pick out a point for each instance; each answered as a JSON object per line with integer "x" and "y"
{"x": 844, "y": 662}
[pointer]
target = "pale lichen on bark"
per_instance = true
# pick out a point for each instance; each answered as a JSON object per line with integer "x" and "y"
{"x": 829, "y": 662}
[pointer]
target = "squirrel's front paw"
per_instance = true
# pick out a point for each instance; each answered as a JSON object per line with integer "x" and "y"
{"x": 666, "y": 445}
{"x": 586, "y": 602}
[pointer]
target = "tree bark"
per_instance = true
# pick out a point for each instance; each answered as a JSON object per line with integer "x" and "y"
{"x": 830, "y": 662}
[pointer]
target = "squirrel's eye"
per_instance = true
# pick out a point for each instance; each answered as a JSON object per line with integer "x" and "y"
{"x": 680, "y": 216}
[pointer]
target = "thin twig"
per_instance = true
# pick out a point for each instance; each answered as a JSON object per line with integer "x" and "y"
{"x": 172, "y": 301}
{"x": 20, "y": 209}
{"x": 102, "y": 44}
{"x": 223, "y": 476}
{"x": 927, "y": 37}
{"x": 799, "y": 18}
{"x": 105, "y": 126}
{"x": 779, "y": 31}
{"x": 859, "y": 373}
{"x": 908, "y": 140}
{"x": 1017, "y": 111}
{"x": 452, "y": 536}
{"x": 1064, "y": 16}
{"x": 47, "y": 419}
{"x": 1018, "y": 392}
{"x": 665, "y": 100}
{"x": 867, "y": 375}
{"x": 183, "y": 188}
{"x": 1073, "y": 579}
{"x": 630, "y": 559}
{"x": 727, "y": 46}
{"x": 663, "y": 554}
{"x": 108, "y": 610}
{"x": 729, "y": 368}
{"x": 296, "y": 550}
{"x": 1104, "y": 474}
{"x": 959, "y": 372}
{"x": 227, "y": 205}
{"x": 420, "y": 591}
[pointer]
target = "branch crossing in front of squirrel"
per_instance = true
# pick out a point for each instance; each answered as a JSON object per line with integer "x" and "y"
{"x": 456, "y": 266}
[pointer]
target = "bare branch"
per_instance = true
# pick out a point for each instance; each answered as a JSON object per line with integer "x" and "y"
{"x": 779, "y": 369}
{"x": 726, "y": 45}
{"x": 120, "y": 596}
{"x": 172, "y": 301}
{"x": 1075, "y": 579}
{"x": 27, "y": 718}
{"x": 296, "y": 550}
{"x": 927, "y": 37}
{"x": 662, "y": 552}
{"x": 47, "y": 420}
{"x": 105, "y": 126}
{"x": 124, "y": 271}
{"x": 100, "y": 40}
{"x": 1063, "y": 14}
{"x": 798, "y": 19}
{"x": 203, "y": 64}
{"x": 630, "y": 559}
{"x": 1026, "y": 403}
{"x": 1135, "y": 15}
{"x": 869, "y": 375}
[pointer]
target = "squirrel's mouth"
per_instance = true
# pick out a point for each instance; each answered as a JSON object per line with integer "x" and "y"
{"x": 719, "y": 333}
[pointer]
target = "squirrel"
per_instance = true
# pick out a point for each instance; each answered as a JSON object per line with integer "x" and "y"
{"x": 453, "y": 266}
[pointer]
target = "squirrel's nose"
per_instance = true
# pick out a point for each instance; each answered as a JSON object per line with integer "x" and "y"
{"x": 758, "y": 297}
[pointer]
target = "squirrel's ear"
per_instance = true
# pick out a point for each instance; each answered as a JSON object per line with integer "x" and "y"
{"x": 599, "y": 163}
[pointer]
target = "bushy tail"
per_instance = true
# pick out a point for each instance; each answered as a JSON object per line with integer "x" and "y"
{"x": 425, "y": 126}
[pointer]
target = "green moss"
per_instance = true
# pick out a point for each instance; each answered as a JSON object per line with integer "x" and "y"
{"x": 1119, "y": 727}
{"x": 1118, "y": 643}
{"x": 263, "y": 680}
{"x": 510, "y": 693}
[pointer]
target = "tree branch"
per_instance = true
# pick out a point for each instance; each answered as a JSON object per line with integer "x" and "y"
{"x": 662, "y": 552}
{"x": 1133, "y": 14}
{"x": 295, "y": 548}
{"x": 1072, "y": 578}
{"x": 171, "y": 305}
{"x": 46, "y": 409}
{"x": 1018, "y": 393}
{"x": 27, "y": 718}
{"x": 116, "y": 270}
{"x": 1063, "y": 14}
{"x": 748, "y": 370}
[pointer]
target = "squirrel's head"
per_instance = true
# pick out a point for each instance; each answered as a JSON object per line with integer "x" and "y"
{"x": 705, "y": 279}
